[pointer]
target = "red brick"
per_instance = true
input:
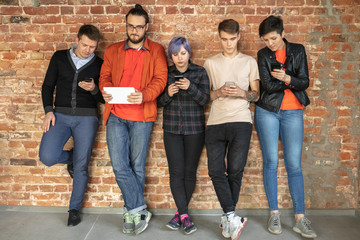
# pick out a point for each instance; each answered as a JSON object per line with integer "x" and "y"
{"x": 53, "y": 10}
{"x": 10, "y": 10}
{"x": 112, "y": 10}
{"x": 97, "y": 10}
{"x": 67, "y": 10}
{"x": 46, "y": 19}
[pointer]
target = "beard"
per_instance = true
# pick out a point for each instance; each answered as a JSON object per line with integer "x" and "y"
{"x": 132, "y": 39}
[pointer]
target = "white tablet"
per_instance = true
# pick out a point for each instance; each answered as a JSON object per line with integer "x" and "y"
{"x": 119, "y": 94}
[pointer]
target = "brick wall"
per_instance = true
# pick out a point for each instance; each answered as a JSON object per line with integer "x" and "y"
{"x": 31, "y": 30}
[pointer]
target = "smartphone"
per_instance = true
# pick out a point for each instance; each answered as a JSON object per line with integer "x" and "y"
{"x": 178, "y": 77}
{"x": 229, "y": 83}
{"x": 88, "y": 79}
{"x": 276, "y": 65}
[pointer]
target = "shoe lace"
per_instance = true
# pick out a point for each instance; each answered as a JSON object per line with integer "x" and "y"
{"x": 128, "y": 218}
{"x": 306, "y": 223}
{"x": 136, "y": 218}
{"x": 276, "y": 221}
{"x": 186, "y": 222}
{"x": 176, "y": 219}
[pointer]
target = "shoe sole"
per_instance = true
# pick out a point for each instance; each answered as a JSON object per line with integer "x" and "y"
{"x": 297, "y": 230}
{"x": 128, "y": 231}
{"x": 240, "y": 230}
{"x": 273, "y": 232}
{"x": 225, "y": 235}
{"x": 172, "y": 228}
{"x": 188, "y": 233}
{"x": 137, "y": 232}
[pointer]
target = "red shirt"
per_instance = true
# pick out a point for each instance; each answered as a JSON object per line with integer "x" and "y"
{"x": 131, "y": 77}
{"x": 290, "y": 101}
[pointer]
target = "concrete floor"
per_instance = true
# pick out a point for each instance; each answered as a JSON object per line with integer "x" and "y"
{"x": 26, "y": 225}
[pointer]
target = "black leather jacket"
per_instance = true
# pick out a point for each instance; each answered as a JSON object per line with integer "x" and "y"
{"x": 272, "y": 89}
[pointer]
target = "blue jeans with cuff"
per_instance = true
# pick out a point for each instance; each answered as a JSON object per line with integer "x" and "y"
{"x": 128, "y": 143}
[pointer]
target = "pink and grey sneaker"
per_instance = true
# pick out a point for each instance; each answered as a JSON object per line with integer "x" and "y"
{"x": 188, "y": 226}
{"x": 175, "y": 222}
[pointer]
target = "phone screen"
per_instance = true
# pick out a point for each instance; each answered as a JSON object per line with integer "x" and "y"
{"x": 178, "y": 77}
{"x": 88, "y": 79}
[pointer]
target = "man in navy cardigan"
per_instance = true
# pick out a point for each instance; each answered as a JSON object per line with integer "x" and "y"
{"x": 74, "y": 73}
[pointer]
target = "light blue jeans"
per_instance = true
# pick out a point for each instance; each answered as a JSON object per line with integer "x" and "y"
{"x": 290, "y": 125}
{"x": 128, "y": 143}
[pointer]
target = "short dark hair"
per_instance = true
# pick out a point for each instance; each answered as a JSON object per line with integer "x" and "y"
{"x": 271, "y": 24}
{"x": 229, "y": 26}
{"x": 138, "y": 11}
{"x": 90, "y": 31}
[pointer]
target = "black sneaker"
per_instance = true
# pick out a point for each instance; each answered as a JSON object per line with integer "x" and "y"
{"x": 175, "y": 222}
{"x": 74, "y": 217}
{"x": 188, "y": 226}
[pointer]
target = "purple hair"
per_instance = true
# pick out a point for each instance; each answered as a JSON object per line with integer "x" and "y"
{"x": 175, "y": 46}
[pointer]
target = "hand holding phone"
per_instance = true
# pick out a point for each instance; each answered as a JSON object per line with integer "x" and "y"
{"x": 276, "y": 65}
{"x": 229, "y": 83}
{"x": 87, "y": 79}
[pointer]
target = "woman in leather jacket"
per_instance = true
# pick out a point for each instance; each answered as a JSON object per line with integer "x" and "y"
{"x": 284, "y": 78}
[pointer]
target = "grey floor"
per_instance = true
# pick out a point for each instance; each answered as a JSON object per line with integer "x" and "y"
{"x": 19, "y": 225}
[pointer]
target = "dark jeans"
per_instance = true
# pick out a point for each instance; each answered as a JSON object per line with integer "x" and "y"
{"x": 83, "y": 130}
{"x": 183, "y": 153}
{"x": 230, "y": 140}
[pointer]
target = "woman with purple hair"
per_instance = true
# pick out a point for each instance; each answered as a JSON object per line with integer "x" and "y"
{"x": 184, "y": 98}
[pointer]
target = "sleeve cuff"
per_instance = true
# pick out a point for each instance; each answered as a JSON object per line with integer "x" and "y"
{"x": 49, "y": 109}
{"x": 95, "y": 91}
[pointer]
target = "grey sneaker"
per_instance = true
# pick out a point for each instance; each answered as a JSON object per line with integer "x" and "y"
{"x": 141, "y": 221}
{"x": 128, "y": 226}
{"x": 236, "y": 226}
{"x": 274, "y": 224}
{"x": 303, "y": 227}
{"x": 225, "y": 227}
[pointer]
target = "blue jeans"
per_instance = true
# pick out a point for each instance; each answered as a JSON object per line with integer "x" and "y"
{"x": 289, "y": 124}
{"x": 230, "y": 140}
{"x": 83, "y": 129}
{"x": 128, "y": 143}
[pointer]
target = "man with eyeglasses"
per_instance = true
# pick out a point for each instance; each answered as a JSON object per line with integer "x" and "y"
{"x": 139, "y": 63}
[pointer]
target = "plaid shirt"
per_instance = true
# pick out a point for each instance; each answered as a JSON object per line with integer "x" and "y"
{"x": 184, "y": 112}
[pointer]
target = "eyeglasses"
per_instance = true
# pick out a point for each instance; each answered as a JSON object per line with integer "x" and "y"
{"x": 138, "y": 27}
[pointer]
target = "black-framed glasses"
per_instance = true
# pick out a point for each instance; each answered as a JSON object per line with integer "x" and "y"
{"x": 138, "y": 27}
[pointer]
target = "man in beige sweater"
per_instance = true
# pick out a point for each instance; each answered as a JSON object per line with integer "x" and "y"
{"x": 234, "y": 81}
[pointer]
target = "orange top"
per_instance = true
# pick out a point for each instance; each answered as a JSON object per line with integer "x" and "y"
{"x": 290, "y": 101}
{"x": 153, "y": 77}
{"x": 131, "y": 77}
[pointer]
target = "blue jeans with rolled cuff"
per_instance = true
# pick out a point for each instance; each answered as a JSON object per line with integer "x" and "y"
{"x": 128, "y": 143}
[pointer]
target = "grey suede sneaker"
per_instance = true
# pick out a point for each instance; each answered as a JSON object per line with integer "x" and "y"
{"x": 274, "y": 224}
{"x": 128, "y": 226}
{"x": 303, "y": 227}
{"x": 141, "y": 221}
{"x": 225, "y": 227}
